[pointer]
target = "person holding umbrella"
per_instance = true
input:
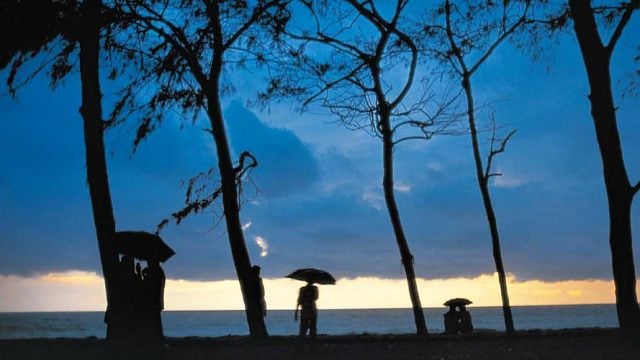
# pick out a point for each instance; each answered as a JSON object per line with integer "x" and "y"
{"x": 148, "y": 291}
{"x": 309, "y": 313}
{"x": 307, "y": 298}
{"x": 154, "y": 282}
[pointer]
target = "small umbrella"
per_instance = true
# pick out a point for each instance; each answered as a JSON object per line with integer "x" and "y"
{"x": 142, "y": 245}
{"x": 313, "y": 276}
{"x": 457, "y": 301}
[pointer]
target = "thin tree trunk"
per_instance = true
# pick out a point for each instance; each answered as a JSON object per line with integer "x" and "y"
{"x": 483, "y": 183}
{"x": 97, "y": 177}
{"x": 248, "y": 282}
{"x": 620, "y": 193}
{"x": 394, "y": 215}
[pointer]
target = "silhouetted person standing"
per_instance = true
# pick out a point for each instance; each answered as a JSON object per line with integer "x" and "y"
{"x": 154, "y": 280}
{"x": 259, "y": 288}
{"x": 308, "y": 314}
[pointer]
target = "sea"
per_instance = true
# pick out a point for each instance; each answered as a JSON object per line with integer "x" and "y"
{"x": 333, "y": 322}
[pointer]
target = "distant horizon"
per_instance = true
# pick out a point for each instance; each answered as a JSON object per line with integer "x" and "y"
{"x": 79, "y": 291}
{"x": 319, "y": 309}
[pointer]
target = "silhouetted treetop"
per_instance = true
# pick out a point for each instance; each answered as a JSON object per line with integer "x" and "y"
{"x": 178, "y": 49}
{"x": 34, "y": 25}
{"x": 357, "y": 59}
{"x": 475, "y": 28}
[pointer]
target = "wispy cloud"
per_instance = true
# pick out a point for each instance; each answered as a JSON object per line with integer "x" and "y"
{"x": 374, "y": 199}
{"x": 402, "y": 187}
{"x": 509, "y": 180}
{"x": 263, "y": 244}
{"x": 246, "y": 226}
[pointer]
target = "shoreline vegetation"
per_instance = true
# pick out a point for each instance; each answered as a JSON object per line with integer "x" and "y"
{"x": 578, "y": 343}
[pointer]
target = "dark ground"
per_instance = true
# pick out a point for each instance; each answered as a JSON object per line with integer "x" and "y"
{"x": 556, "y": 344}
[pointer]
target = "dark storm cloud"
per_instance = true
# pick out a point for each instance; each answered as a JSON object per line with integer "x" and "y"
{"x": 321, "y": 202}
{"x": 46, "y": 223}
{"x": 286, "y": 165}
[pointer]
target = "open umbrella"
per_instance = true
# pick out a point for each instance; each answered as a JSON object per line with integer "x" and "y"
{"x": 457, "y": 301}
{"x": 313, "y": 276}
{"x": 143, "y": 245}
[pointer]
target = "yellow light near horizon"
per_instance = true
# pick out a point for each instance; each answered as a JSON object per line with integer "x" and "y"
{"x": 84, "y": 291}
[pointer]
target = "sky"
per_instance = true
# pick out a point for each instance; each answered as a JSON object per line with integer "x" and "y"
{"x": 316, "y": 198}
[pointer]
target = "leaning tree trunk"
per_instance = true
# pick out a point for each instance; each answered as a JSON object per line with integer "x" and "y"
{"x": 248, "y": 282}
{"x": 394, "y": 215}
{"x": 483, "y": 183}
{"x": 620, "y": 193}
{"x": 97, "y": 177}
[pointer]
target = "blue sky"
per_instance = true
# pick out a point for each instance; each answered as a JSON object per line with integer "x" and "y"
{"x": 318, "y": 200}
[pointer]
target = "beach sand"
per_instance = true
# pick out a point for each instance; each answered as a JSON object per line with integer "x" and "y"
{"x": 550, "y": 344}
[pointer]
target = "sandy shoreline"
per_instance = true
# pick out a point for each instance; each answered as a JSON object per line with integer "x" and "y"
{"x": 534, "y": 344}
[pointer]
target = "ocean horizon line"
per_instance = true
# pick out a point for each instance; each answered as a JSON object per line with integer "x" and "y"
{"x": 320, "y": 309}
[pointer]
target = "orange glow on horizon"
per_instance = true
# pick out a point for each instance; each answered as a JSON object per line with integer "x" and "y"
{"x": 84, "y": 291}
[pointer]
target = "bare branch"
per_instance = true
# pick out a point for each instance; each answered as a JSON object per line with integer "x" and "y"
{"x": 498, "y": 41}
{"x": 426, "y": 136}
{"x": 194, "y": 203}
{"x": 374, "y": 17}
{"x": 257, "y": 12}
{"x": 181, "y": 44}
{"x": 331, "y": 84}
{"x": 631, "y": 6}
{"x": 241, "y": 169}
{"x": 493, "y": 151}
{"x": 454, "y": 46}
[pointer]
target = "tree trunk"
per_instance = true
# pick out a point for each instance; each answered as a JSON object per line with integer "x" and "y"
{"x": 248, "y": 282}
{"x": 483, "y": 183}
{"x": 394, "y": 215}
{"x": 620, "y": 193}
{"x": 97, "y": 177}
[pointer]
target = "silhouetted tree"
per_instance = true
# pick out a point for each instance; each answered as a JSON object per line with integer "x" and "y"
{"x": 341, "y": 56}
{"x": 592, "y": 23}
{"x": 596, "y": 55}
{"x": 94, "y": 126}
{"x": 37, "y": 25}
{"x": 471, "y": 32}
{"x": 182, "y": 50}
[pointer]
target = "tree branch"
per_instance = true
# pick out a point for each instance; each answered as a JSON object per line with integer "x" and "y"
{"x": 493, "y": 152}
{"x": 454, "y": 46}
{"x": 329, "y": 85}
{"x": 634, "y": 4}
{"x": 499, "y": 40}
{"x": 241, "y": 169}
{"x": 374, "y": 17}
{"x": 179, "y": 41}
{"x": 636, "y": 188}
{"x": 254, "y": 17}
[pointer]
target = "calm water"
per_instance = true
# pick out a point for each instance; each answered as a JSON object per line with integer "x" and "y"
{"x": 280, "y": 322}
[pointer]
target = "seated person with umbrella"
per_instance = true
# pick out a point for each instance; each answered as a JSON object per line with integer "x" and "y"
{"x": 307, "y": 298}
{"x": 457, "y": 319}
